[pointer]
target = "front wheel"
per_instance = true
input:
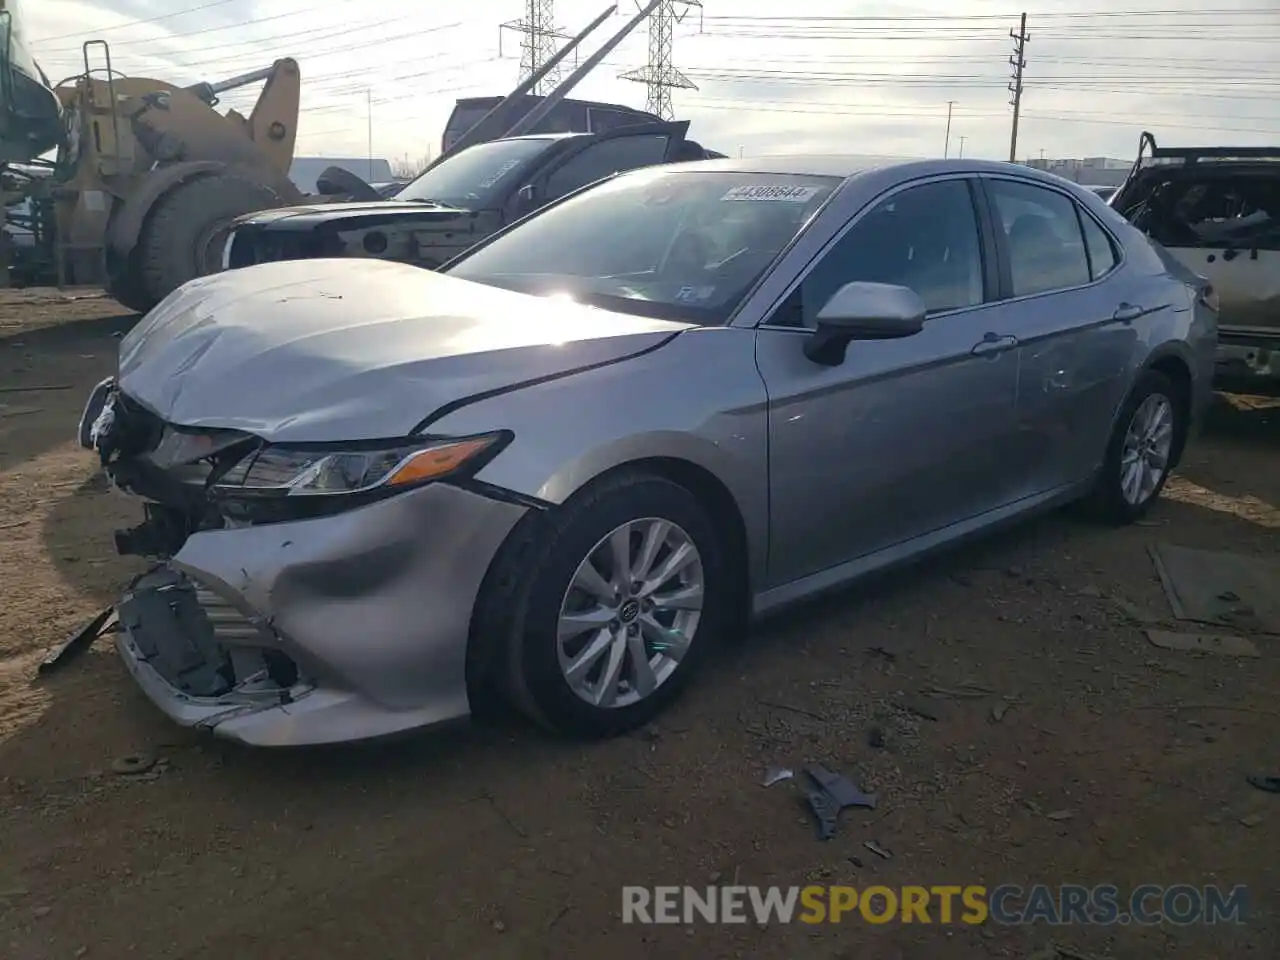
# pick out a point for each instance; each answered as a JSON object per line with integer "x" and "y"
{"x": 1144, "y": 446}
{"x": 622, "y": 598}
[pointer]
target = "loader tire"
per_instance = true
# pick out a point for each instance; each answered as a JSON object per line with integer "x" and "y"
{"x": 126, "y": 286}
{"x": 184, "y": 236}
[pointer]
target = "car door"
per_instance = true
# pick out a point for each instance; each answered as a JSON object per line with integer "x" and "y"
{"x": 1077, "y": 317}
{"x": 905, "y": 437}
{"x": 601, "y": 155}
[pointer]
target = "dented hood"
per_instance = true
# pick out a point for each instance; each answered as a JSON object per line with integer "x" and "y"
{"x": 334, "y": 350}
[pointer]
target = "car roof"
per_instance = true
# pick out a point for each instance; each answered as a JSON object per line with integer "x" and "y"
{"x": 848, "y": 166}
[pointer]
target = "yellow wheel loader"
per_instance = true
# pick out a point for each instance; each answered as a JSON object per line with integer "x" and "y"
{"x": 147, "y": 176}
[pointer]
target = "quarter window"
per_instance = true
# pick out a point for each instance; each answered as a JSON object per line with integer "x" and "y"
{"x": 606, "y": 158}
{"x": 1046, "y": 248}
{"x": 1102, "y": 252}
{"x": 924, "y": 238}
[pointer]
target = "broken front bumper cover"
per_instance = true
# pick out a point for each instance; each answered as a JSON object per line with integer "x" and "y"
{"x": 335, "y": 629}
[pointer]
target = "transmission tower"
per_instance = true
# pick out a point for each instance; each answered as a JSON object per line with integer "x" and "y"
{"x": 538, "y": 44}
{"x": 660, "y": 73}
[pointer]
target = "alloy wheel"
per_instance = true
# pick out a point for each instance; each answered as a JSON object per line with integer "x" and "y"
{"x": 1148, "y": 443}
{"x": 631, "y": 612}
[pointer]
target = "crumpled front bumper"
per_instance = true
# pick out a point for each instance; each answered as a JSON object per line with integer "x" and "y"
{"x": 343, "y": 628}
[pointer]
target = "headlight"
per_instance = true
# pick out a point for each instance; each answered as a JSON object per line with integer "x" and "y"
{"x": 360, "y": 469}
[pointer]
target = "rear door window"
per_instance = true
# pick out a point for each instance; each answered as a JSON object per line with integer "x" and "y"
{"x": 1102, "y": 251}
{"x": 1042, "y": 235}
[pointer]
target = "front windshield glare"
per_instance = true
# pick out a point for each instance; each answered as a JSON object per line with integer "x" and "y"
{"x": 471, "y": 176}
{"x": 684, "y": 245}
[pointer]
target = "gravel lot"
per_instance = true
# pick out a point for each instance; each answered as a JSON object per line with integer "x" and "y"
{"x": 493, "y": 840}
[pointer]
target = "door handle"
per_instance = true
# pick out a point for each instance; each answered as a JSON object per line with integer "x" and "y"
{"x": 1128, "y": 312}
{"x": 992, "y": 344}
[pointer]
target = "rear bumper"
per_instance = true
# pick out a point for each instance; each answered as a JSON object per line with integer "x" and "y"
{"x": 338, "y": 629}
{"x": 1248, "y": 354}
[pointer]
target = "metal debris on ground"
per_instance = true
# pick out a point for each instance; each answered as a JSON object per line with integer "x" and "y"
{"x": 1136, "y": 613}
{"x": 1269, "y": 784}
{"x": 133, "y": 763}
{"x": 1210, "y": 586}
{"x": 1227, "y": 646}
{"x": 79, "y": 641}
{"x": 972, "y": 692}
{"x": 831, "y": 793}
{"x": 1252, "y": 820}
{"x": 878, "y": 850}
{"x": 776, "y": 775}
{"x": 924, "y": 707}
{"x": 1060, "y": 815}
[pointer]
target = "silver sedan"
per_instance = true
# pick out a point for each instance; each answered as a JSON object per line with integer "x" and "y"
{"x": 564, "y": 466}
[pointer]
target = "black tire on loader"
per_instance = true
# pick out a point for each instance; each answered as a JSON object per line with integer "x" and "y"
{"x": 184, "y": 236}
{"x": 124, "y": 285}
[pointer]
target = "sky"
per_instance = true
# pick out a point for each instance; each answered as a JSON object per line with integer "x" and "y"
{"x": 816, "y": 76}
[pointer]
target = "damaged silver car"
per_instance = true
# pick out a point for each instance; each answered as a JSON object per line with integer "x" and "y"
{"x": 565, "y": 465}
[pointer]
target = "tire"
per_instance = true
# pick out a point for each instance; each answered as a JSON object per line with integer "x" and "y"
{"x": 125, "y": 286}
{"x": 531, "y": 584}
{"x": 1108, "y": 500}
{"x": 180, "y": 240}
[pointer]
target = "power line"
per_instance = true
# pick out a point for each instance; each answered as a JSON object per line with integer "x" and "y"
{"x": 134, "y": 23}
{"x": 191, "y": 33}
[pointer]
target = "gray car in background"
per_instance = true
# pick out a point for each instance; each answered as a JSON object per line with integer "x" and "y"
{"x": 568, "y": 463}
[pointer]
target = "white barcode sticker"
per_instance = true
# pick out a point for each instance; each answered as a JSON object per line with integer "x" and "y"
{"x": 772, "y": 193}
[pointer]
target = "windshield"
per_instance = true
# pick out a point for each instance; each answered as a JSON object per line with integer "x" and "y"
{"x": 472, "y": 177}
{"x": 684, "y": 245}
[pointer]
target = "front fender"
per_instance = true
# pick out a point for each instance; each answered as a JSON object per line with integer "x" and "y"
{"x": 697, "y": 399}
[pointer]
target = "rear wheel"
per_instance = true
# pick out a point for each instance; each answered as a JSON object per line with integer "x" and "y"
{"x": 185, "y": 235}
{"x": 617, "y": 607}
{"x": 1144, "y": 446}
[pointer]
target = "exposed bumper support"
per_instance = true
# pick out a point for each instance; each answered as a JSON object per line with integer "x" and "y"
{"x": 343, "y": 628}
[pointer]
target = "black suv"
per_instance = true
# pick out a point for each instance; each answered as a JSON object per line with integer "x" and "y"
{"x": 459, "y": 201}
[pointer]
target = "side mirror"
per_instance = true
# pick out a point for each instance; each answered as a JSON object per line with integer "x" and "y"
{"x": 864, "y": 311}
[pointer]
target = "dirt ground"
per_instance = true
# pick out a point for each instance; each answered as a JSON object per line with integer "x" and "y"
{"x": 494, "y": 841}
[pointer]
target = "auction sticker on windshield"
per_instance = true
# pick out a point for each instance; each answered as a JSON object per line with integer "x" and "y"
{"x": 772, "y": 192}
{"x": 498, "y": 174}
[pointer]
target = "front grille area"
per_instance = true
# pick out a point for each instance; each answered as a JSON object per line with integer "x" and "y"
{"x": 199, "y": 643}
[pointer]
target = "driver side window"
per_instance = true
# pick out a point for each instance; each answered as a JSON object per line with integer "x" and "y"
{"x": 604, "y": 159}
{"x": 924, "y": 238}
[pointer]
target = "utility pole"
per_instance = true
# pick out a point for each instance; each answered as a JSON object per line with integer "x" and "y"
{"x": 946, "y": 144}
{"x": 1019, "y": 62}
{"x": 660, "y": 74}
{"x": 368, "y": 99}
{"x": 963, "y": 138}
{"x": 540, "y": 40}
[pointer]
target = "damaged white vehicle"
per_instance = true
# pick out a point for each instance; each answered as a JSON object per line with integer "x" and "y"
{"x": 1217, "y": 211}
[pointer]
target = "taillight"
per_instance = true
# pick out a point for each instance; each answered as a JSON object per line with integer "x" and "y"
{"x": 1209, "y": 297}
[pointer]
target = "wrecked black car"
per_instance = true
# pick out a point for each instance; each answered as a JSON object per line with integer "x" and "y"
{"x": 1217, "y": 211}
{"x": 459, "y": 201}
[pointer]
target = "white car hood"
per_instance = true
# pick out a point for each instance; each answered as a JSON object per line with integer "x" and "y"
{"x": 325, "y": 350}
